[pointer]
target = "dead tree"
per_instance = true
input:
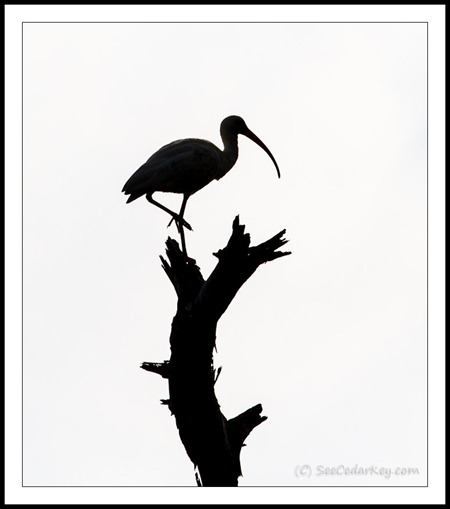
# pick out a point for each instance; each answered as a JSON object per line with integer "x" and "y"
{"x": 212, "y": 442}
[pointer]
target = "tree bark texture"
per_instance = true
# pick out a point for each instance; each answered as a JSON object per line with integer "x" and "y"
{"x": 212, "y": 442}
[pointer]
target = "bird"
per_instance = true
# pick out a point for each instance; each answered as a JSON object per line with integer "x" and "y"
{"x": 186, "y": 166}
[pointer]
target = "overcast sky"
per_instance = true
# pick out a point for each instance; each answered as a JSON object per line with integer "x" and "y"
{"x": 332, "y": 340}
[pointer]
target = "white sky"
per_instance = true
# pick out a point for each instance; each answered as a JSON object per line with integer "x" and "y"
{"x": 331, "y": 340}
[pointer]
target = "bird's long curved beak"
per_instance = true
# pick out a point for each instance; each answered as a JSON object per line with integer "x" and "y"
{"x": 255, "y": 138}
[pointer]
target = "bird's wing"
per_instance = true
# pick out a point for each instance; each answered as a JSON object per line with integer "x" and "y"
{"x": 183, "y": 166}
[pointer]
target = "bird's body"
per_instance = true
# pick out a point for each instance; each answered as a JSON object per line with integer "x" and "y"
{"x": 186, "y": 166}
{"x": 183, "y": 166}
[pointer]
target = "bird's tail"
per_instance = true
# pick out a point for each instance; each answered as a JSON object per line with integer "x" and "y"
{"x": 133, "y": 197}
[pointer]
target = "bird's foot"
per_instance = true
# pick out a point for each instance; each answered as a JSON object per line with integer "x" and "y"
{"x": 179, "y": 219}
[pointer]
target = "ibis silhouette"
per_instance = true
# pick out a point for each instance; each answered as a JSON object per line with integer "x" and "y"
{"x": 186, "y": 166}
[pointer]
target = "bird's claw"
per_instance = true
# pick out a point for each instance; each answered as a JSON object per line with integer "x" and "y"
{"x": 177, "y": 220}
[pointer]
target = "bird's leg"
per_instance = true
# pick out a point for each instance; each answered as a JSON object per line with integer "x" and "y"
{"x": 180, "y": 223}
{"x": 180, "y": 229}
{"x": 174, "y": 215}
{"x": 183, "y": 207}
{"x": 181, "y": 214}
{"x": 183, "y": 241}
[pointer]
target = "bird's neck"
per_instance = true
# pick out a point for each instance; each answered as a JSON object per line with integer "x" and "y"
{"x": 230, "y": 153}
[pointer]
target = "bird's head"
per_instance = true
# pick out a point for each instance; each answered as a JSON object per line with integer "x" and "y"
{"x": 235, "y": 125}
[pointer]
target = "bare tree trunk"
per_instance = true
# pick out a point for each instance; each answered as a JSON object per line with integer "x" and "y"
{"x": 212, "y": 442}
